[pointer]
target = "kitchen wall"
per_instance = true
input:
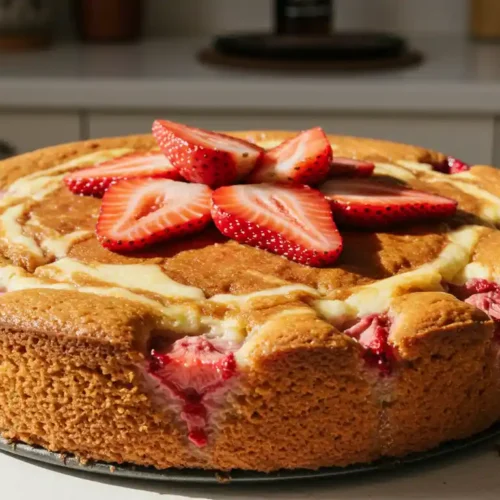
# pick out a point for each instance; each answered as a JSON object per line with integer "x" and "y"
{"x": 192, "y": 17}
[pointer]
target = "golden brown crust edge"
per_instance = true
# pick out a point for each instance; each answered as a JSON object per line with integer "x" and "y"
{"x": 308, "y": 402}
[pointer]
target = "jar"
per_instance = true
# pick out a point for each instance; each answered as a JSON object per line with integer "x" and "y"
{"x": 108, "y": 20}
{"x": 485, "y": 19}
{"x": 25, "y": 23}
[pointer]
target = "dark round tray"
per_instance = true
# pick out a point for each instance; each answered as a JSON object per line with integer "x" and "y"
{"x": 237, "y": 476}
{"x": 340, "y": 46}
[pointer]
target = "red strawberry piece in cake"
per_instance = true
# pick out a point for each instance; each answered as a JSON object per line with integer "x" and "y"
{"x": 139, "y": 212}
{"x": 365, "y": 203}
{"x": 473, "y": 286}
{"x": 372, "y": 332}
{"x": 206, "y": 157}
{"x": 348, "y": 167}
{"x": 96, "y": 180}
{"x": 488, "y": 302}
{"x": 303, "y": 159}
{"x": 293, "y": 221}
{"x": 451, "y": 165}
{"x": 195, "y": 371}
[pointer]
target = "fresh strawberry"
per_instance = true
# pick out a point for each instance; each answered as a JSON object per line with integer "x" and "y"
{"x": 372, "y": 332}
{"x": 206, "y": 157}
{"x": 293, "y": 221}
{"x": 304, "y": 159}
{"x": 348, "y": 167}
{"x": 192, "y": 370}
{"x": 451, "y": 165}
{"x": 138, "y": 212}
{"x": 370, "y": 204}
{"x": 95, "y": 180}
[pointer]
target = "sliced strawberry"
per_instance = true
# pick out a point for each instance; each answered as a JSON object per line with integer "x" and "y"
{"x": 348, "y": 167}
{"x": 293, "y": 221}
{"x": 304, "y": 159}
{"x": 372, "y": 332}
{"x": 206, "y": 157}
{"x": 138, "y": 212}
{"x": 451, "y": 165}
{"x": 370, "y": 204}
{"x": 95, "y": 180}
{"x": 192, "y": 370}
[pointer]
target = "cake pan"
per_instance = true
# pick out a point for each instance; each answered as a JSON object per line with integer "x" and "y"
{"x": 237, "y": 476}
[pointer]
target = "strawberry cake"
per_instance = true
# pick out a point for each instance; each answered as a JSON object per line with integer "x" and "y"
{"x": 256, "y": 300}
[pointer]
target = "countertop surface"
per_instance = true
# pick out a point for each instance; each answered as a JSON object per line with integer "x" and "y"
{"x": 457, "y": 76}
{"x": 471, "y": 475}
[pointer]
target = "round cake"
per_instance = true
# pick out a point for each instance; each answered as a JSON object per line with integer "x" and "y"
{"x": 257, "y": 300}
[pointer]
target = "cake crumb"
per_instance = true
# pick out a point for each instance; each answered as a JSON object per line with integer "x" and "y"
{"x": 112, "y": 469}
{"x": 223, "y": 477}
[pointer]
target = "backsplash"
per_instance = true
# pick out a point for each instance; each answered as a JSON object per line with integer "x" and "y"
{"x": 201, "y": 17}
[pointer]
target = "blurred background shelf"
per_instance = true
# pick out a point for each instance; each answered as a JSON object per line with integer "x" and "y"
{"x": 74, "y": 90}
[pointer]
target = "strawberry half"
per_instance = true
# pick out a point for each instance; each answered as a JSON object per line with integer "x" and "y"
{"x": 370, "y": 204}
{"x": 304, "y": 159}
{"x": 293, "y": 221}
{"x": 203, "y": 156}
{"x": 138, "y": 212}
{"x": 348, "y": 167}
{"x": 95, "y": 180}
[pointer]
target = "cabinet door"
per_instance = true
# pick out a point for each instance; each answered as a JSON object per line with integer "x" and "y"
{"x": 496, "y": 144}
{"x": 467, "y": 138}
{"x": 21, "y": 132}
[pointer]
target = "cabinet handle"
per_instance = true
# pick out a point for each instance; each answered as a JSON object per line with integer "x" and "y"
{"x": 6, "y": 150}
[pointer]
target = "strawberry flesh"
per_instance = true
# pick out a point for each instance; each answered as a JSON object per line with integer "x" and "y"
{"x": 293, "y": 221}
{"x": 472, "y": 287}
{"x": 451, "y": 165}
{"x": 365, "y": 203}
{"x": 348, "y": 167}
{"x": 488, "y": 302}
{"x": 139, "y": 212}
{"x": 96, "y": 180}
{"x": 372, "y": 333}
{"x": 194, "y": 371}
{"x": 303, "y": 159}
{"x": 206, "y": 157}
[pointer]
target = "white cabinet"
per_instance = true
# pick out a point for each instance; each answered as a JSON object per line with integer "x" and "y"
{"x": 26, "y": 131}
{"x": 468, "y": 138}
{"x": 496, "y": 144}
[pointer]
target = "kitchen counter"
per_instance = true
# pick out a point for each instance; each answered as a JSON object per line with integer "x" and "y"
{"x": 468, "y": 476}
{"x": 457, "y": 76}
{"x": 450, "y": 103}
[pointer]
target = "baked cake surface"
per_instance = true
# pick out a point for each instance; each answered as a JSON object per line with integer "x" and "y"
{"x": 292, "y": 386}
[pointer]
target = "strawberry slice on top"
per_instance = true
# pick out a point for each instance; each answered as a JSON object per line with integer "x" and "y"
{"x": 293, "y": 221}
{"x": 366, "y": 203}
{"x": 95, "y": 180}
{"x": 349, "y": 167}
{"x": 203, "y": 156}
{"x": 303, "y": 159}
{"x": 138, "y": 212}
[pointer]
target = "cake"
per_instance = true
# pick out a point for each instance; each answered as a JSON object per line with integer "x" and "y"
{"x": 231, "y": 344}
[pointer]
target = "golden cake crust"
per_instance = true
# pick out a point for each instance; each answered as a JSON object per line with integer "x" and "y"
{"x": 75, "y": 331}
